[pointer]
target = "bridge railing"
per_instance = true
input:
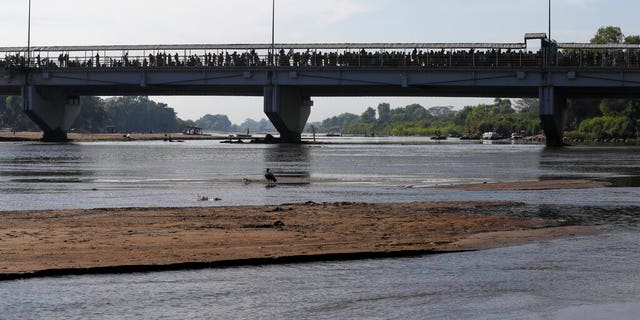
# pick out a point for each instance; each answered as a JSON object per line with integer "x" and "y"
{"x": 318, "y": 55}
{"x": 597, "y": 58}
{"x": 432, "y": 58}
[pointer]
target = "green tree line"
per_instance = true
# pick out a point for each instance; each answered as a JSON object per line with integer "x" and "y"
{"x": 121, "y": 114}
{"x": 126, "y": 114}
{"x": 597, "y": 119}
{"x": 221, "y": 123}
{"x": 416, "y": 120}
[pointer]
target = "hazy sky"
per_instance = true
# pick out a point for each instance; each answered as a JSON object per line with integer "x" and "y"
{"x": 91, "y": 22}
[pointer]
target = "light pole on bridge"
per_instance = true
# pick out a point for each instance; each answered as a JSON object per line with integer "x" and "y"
{"x": 273, "y": 33}
{"x": 549, "y": 19}
{"x": 29, "y": 36}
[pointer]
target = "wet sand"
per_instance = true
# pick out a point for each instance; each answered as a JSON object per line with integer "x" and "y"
{"x": 46, "y": 243}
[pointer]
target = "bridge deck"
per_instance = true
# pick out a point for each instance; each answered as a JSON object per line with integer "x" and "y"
{"x": 330, "y": 69}
{"x": 327, "y": 54}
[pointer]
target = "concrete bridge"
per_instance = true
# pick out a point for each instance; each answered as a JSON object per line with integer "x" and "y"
{"x": 51, "y": 79}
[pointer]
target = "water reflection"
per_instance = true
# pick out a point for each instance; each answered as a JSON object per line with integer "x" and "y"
{"x": 624, "y": 182}
{"x": 289, "y": 162}
{"x": 90, "y": 175}
{"x": 620, "y": 166}
{"x": 43, "y": 164}
{"x": 619, "y": 216}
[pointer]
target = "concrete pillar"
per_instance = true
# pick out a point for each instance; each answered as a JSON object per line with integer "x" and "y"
{"x": 553, "y": 113}
{"x": 288, "y": 110}
{"x": 52, "y": 110}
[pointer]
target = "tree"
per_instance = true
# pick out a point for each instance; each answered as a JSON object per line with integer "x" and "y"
{"x": 608, "y": 127}
{"x": 3, "y": 107}
{"x": 384, "y": 113}
{"x": 12, "y": 116}
{"x": 441, "y": 111}
{"x": 618, "y": 115}
{"x": 256, "y": 126}
{"x": 503, "y": 106}
{"x": 412, "y": 112}
{"x": 499, "y": 117}
{"x": 635, "y": 39}
{"x": 527, "y": 105}
{"x": 216, "y": 122}
{"x": 186, "y": 123}
{"x": 368, "y": 115}
{"x": 336, "y": 123}
{"x": 141, "y": 114}
{"x": 92, "y": 117}
{"x": 529, "y": 115}
{"x": 608, "y": 34}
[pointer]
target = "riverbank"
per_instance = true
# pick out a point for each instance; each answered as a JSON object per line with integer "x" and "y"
{"x": 88, "y": 137}
{"x": 46, "y": 243}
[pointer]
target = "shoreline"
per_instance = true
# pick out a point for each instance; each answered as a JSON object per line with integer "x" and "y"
{"x": 30, "y": 136}
{"x": 131, "y": 240}
{"x": 107, "y": 137}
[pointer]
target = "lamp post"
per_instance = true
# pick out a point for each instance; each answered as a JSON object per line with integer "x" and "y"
{"x": 273, "y": 32}
{"x": 29, "y": 36}
{"x": 549, "y": 19}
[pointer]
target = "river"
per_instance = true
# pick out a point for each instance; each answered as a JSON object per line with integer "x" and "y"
{"x": 589, "y": 277}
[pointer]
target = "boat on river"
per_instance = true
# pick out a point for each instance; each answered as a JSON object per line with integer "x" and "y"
{"x": 518, "y": 135}
{"x": 491, "y": 136}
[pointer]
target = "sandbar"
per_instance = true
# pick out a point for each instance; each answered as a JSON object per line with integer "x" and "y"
{"x": 119, "y": 240}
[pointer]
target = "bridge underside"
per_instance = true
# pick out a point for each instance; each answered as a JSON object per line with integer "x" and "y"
{"x": 355, "y": 91}
{"x": 52, "y": 94}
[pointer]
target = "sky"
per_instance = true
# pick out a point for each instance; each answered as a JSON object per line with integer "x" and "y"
{"x": 93, "y": 22}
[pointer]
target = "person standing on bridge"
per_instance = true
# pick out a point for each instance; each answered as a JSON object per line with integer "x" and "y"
{"x": 97, "y": 60}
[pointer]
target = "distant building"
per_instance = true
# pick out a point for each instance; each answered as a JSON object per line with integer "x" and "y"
{"x": 191, "y": 130}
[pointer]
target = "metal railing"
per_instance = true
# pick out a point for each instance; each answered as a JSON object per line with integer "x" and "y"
{"x": 411, "y": 55}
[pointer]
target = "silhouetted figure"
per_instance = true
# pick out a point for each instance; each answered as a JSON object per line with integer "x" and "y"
{"x": 271, "y": 179}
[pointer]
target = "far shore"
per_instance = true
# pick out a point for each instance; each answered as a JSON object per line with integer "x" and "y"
{"x": 89, "y": 137}
{"x": 67, "y": 242}
{"x": 25, "y": 136}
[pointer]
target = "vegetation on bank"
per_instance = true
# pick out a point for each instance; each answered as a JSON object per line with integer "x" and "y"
{"x": 126, "y": 114}
{"x": 97, "y": 115}
{"x": 608, "y": 119}
{"x": 587, "y": 119}
{"x": 415, "y": 120}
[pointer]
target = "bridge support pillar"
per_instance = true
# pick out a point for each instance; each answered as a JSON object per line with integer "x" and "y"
{"x": 288, "y": 110}
{"x": 52, "y": 110}
{"x": 553, "y": 114}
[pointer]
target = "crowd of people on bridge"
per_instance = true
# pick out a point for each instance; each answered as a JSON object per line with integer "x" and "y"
{"x": 362, "y": 58}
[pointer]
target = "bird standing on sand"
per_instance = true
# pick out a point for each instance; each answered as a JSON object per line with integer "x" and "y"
{"x": 271, "y": 179}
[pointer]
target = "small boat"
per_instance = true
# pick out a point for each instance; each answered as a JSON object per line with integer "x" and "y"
{"x": 491, "y": 136}
{"x": 517, "y": 135}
